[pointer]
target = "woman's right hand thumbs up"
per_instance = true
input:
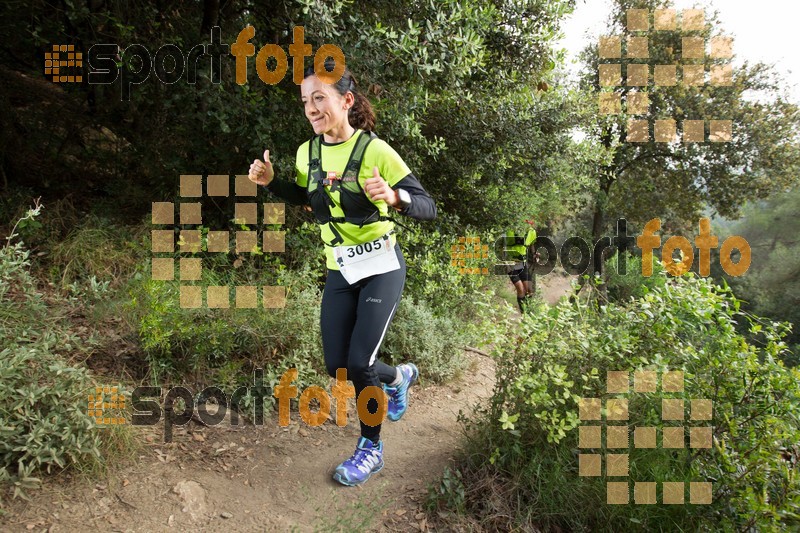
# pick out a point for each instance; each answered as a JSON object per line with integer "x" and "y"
{"x": 261, "y": 171}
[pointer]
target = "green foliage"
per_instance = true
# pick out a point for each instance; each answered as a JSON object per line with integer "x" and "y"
{"x": 677, "y": 181}
{"x": 96, "y": 249}
{"x": 771, "y": 287}
{"x": 431, "y": 275}
{"x": 433, "y": 342}
{"x": 528, "y": 433}
{"x": 632, "y": 284}
{"x": 183, "y": 342}
{"x": 453, "y": 84}
{"x": 450, "y": 492}
{"x": 43, "y": 419}
{"x": 187, "y": 342}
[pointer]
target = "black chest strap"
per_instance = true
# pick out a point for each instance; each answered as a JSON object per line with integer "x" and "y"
{"x": 357, "y": 208}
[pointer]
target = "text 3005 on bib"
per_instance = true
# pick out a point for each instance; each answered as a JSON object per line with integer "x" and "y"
{"x": 368, "y": 259}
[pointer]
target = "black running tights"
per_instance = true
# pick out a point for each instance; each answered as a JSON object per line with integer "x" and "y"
{"x": 354, "y": 321}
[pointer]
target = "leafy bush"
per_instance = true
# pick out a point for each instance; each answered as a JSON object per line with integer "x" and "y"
{"x": 632, "y": 284}
{"x": 187, "y": 342}
{"x": 43, "y": 419}
{"x": 528, "y": 435}
{"x": 182, "y": 342}
{"x": 434, "y": 343}
{"x": 432, "y": 277}
{"x": 441, "y": 308}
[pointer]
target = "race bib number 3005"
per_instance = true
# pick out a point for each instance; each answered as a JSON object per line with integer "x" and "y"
{"x": 368, "y": 259}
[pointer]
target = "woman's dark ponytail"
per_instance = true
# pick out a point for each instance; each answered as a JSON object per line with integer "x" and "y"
{"x": 361, "y": 114}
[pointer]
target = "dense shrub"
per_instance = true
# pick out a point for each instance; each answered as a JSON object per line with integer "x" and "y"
{"x": 43, "y": 418}
{"x": 182, "y": 343}
{"x": 434, "y": 343}
{"x": 209, "y": 344}
{"x": 524, "y": 447}
{"x": 631, "y": 284}
{"x": 432, "y": 276}
{"x": 95, "y": 248}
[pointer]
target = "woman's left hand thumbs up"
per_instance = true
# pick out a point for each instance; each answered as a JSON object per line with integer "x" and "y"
{"x": 377, "y": 189}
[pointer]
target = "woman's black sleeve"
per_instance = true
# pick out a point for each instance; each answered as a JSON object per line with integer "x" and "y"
{"x": 289, "y": 191}
{"x": 422, "y": 205}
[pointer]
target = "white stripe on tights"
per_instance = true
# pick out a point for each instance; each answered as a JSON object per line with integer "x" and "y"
{"x": 375, "y": 351}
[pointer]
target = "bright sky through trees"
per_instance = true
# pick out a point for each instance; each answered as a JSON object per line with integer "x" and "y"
{"x": 762, "y": 31}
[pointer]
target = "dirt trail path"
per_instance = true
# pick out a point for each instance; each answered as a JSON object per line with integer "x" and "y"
{"x": 268, "y": 478}
{"x": 554, "y": 286}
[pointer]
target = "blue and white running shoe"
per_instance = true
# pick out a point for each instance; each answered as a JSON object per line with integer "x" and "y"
{"x": 367, "y": 459}
{"x": 398, "y": 396}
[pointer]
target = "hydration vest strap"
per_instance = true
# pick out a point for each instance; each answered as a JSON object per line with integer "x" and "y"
{"x": 332, "y": 221}
{"x": 337, "y": 237}
{"x": 401, "y": 224}
{"x": 358, "y": 222}
{"x": 314, "y": 159}
{"x": 318, "y": 179}
{"x": 353, "y": 164}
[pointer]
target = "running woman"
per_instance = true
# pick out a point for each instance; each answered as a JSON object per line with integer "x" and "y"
{"x": 352, "y": 180}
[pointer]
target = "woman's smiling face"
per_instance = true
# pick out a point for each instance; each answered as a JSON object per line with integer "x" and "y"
{"x": 325, "y": 108}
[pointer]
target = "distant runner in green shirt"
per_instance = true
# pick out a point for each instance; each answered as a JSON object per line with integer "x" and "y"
{"x": 521, "y": 272}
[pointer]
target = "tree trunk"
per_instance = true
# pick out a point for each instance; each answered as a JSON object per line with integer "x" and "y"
{"x": 598, "y": 259}
{"x": 597, "y": 230}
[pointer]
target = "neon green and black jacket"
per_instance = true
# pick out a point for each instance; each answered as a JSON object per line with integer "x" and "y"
{"x": 334, "y": 158}
{"x": 518, "y": 252}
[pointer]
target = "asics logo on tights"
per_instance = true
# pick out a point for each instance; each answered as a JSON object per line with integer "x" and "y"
{"x": 371, "y": 299}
